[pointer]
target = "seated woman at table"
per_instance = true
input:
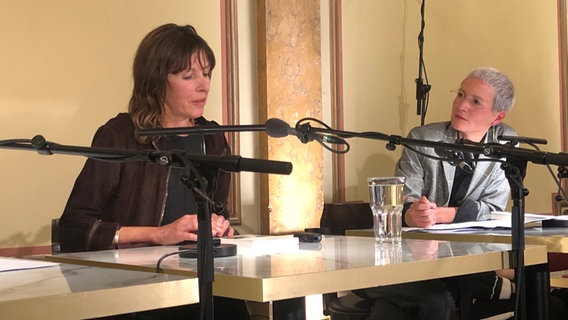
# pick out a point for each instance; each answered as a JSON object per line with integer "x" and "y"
{"x": 114, "y": 205}
{"x": 439, "y": 192}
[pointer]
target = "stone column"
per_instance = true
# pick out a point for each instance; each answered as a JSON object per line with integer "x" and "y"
{"x": 290, "y": 88}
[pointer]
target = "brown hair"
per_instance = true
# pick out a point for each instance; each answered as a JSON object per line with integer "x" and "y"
{"x": 167, "y": 49}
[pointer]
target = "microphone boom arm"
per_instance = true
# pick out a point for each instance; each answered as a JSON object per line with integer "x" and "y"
{"x": 230, "y": 163}
{"x": 492, "y": 150}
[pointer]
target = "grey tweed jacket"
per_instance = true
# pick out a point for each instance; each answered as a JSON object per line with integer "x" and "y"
{"x": 488, "y": 191}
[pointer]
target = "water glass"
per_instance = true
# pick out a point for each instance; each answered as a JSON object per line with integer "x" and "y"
{"x": 386, "y": 201}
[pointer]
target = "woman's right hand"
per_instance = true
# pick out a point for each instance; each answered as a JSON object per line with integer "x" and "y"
{"x": 185, "y": 229}
{"x": 182, "y": 229}
{"x": 421, "y": 213}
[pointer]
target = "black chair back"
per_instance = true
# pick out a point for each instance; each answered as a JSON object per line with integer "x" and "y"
{"x": 55, "y": 247}
{"x": 338, "y": 217}
{"x": 335, "y": 219}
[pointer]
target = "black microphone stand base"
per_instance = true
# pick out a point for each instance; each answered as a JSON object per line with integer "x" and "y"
{"x": 223, "y": 250}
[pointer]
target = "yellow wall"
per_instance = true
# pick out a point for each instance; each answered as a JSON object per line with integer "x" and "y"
{"x": 380, "y": 53}
{"x": 65, "y": 69}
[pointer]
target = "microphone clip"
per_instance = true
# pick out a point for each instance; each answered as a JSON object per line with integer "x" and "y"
{"x": 465, "y": 161}
{"x": 303, "y": 131}
{"x": 562, "y": 172}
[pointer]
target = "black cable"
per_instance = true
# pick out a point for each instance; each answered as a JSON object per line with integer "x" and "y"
{"x": 330, "y": 149}
{"x": 12, "y": 141}
{"x": 159, "y": 269}
{"x": 422, "y": 90}
{"x": 320, "y": 139}
{"x": 556, "y": 180}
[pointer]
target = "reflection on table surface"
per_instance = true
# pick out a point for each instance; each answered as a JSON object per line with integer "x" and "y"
{"x": 289, "y": 271}
{"x": 75, "y": 291}
{"x": 555, "y": 239}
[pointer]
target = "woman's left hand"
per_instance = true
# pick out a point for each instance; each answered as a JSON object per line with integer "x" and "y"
{"x": 221, "y": 227}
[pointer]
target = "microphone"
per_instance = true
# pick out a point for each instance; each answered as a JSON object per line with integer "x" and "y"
{"x": 278, "y": 128}
{"x": 519, "y": 139}
{"x": 232, "y": 163}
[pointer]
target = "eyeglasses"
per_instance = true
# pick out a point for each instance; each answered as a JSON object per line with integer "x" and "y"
{"x": 472, "y": 101}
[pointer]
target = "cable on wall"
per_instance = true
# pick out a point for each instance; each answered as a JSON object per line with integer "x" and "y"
{"x": 422, "y": 89}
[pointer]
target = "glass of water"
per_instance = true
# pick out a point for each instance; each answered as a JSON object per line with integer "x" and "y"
{"x": 386, "y": 201}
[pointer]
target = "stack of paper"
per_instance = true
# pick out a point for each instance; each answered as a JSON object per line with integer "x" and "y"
{"x": 260, "y": 244}
{"x": 499, "y": 219}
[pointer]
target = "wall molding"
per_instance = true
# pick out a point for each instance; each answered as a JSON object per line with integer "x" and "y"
{"x": 231, "y": 107}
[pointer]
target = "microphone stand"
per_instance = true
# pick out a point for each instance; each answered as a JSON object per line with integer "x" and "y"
{"x": 205, "y": 254}
{"x": 205, "y": 265}
{"x": 514, "y": 168}
{"x": 421, "y": 88}
{"x": 515, "y": 173}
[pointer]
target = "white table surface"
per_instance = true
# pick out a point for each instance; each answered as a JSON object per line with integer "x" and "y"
{"x": 65, "y": 291}
{"x": 338, "y": 263}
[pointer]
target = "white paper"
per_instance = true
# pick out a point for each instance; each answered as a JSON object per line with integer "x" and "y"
{"x": 499, "y": 219}
{"x": 261, "y": 244}
{"x": 14, "y": 264}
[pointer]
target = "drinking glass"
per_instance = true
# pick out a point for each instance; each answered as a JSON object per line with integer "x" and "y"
{"x": 386, "y": 201}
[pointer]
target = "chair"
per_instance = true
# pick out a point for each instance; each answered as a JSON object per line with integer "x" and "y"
{"x": 55, "y": 246}
{"x": 335, "y": 219}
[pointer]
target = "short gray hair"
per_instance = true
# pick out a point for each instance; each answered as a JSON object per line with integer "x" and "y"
{"x": 504, "y": 90}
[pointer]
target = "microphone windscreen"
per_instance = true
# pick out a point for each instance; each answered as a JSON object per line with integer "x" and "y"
{"x": 265, "y": 166}
{"x": 277, "y": 128}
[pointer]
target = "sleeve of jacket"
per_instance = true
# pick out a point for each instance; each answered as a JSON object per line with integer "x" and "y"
{"x": 410, "y": 167}
{"x": 81, "y": 226}
{"x": 418, "y": 170}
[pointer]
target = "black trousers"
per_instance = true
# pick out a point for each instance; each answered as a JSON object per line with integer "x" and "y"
{"x": 424, "y": 300}
{"x": 437, "y": 299}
